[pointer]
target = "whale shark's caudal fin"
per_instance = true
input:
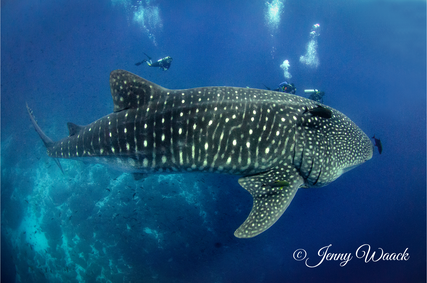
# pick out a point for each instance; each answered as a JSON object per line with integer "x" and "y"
{"x": 46, "y": 140}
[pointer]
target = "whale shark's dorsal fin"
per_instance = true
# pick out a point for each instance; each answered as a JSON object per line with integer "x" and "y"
{"x": 130, "y": 91}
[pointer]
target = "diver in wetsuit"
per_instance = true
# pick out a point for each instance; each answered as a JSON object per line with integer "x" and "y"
{"x": 163, "y": 63}
{"x": 285, "y": 87}
{"x": 315, "y": 95}
{"x": 288, "y": 88}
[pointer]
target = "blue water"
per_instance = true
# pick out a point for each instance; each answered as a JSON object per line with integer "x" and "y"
{"x": 94, "y": 224}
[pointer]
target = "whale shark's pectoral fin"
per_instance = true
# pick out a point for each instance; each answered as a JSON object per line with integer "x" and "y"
{"x": 270, "y": 199}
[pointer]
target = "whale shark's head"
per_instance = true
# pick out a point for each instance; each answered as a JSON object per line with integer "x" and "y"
{"x": 339, "y": 145}
{"x": 357, "y": 149}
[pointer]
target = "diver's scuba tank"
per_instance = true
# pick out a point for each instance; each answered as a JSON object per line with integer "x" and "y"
{"x": 315, "y": 94}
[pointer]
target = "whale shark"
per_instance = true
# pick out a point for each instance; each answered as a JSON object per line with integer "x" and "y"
{"x": 276, "y": 142}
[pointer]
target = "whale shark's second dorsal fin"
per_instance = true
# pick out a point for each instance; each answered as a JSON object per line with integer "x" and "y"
{"x": 73, "y": 128}
{"x": 130, "y": 91}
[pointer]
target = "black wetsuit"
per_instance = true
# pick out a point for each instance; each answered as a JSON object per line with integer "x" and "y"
{"x": 163, "y": 63}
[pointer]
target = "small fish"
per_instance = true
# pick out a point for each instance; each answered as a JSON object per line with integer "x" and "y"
{"x": 378, "y": 144}
{"x": 276, "y": 184}
{"x": 108, "y": 190}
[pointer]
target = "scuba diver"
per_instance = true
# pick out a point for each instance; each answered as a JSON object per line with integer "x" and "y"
{"x": 284, "y": 87}
{"x": 315, "y": 94}
{"x": 288, "y": 88}
{"x": 163, "y": 63}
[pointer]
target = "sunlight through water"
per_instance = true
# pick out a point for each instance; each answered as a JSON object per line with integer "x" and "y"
{"x": 310, "y": 58}
{"x": 272, "y": 15}
{"x": 285, "y": 66}
{"x": 145, "y": 14}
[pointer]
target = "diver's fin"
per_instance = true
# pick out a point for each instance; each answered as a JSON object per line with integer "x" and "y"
{"x": 266, "y": 87}
{"x": 272, "y": 192}
{"x": 149, "y": 58}
{"x": 139, "y": 63}
{"x": 46, "y": 140}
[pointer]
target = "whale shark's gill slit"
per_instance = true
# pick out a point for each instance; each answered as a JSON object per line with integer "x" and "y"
{"x": 253, "y": 175}
{"x": 311, "y": 169}
{"x": 318, "y": 177}
{"x": 302, "y": 157}
{"x": 295, "y": 145}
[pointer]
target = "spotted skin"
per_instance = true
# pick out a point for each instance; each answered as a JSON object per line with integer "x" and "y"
{"x": 267, "y": 137}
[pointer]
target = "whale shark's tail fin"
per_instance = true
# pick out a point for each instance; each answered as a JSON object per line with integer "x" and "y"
{"x": 48, "y": 142}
